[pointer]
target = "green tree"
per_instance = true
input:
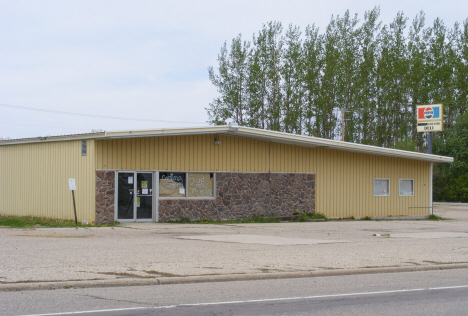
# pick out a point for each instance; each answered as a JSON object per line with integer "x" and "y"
{"x": 231, "y": 82}
{"x": 417, "y": 75}
{"x": 392, "y": 89}
{"x": 348, "y": 70}
{"x": 327, "y": 106}
{"x": 298, "y": 83}
{"x": 292, "y": 72}
{"x": 364, "y": 111}
{"x": 451, "y": 181}
{"x": 267, "y": 52}
{"x": 312, "y": 60}
{"x": 441, "y": 62}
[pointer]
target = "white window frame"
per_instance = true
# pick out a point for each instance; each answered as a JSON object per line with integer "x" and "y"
{"x": 399, "y": 187}
{"x": 380, "y": 179}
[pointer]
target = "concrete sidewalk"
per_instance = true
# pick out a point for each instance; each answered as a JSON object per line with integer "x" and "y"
{"x": 153, "y": 253}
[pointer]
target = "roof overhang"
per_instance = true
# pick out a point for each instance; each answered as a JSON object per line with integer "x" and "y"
{"x": 248, "y": 132}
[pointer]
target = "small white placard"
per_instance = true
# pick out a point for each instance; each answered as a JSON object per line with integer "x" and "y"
{"x": 130, "y": 180}
{"x": 144, "y": 191}
{"x": 181, "y": 191}
{"x": 71, "y": 184}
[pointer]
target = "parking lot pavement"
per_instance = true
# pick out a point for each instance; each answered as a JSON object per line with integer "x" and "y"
{"x": 145, "y": 251}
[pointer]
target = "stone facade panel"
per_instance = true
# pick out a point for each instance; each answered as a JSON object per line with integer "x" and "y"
{"x": 105, "y": 191}
{"x": 238, "y": 196}
{"x": 244, "y": 195}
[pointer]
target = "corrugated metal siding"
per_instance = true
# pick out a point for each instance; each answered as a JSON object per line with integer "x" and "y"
{"x": 34, "y": 180}
{"x": 344, "y": 180}
{"x": 344, "y": 185}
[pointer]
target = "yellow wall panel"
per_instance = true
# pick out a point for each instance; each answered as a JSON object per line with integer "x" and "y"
{"x": 34, "y": 180}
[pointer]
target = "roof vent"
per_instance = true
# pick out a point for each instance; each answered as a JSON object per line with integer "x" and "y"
{"x": 233, "y": 127}
{"x": 97, "y": 130}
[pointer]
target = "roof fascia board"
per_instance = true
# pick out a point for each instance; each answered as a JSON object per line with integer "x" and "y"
{"x": 168, "y": 132}
{"x": 47, "y": 139}
{"x": 249, "y": 132}
{"x": 310, "y": 141}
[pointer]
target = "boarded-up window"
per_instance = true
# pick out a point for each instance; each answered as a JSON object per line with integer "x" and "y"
{"x": 381, "y": 187}
{"x": 406, "y": 187}
{"x": 172, "y": 184}
{"x": 200, "y": 184}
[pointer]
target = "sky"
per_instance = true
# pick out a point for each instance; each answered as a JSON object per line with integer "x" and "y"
{"x": 132, "y": 65}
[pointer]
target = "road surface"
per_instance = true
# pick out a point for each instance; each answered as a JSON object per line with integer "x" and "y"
{"x": 443, "y": 292}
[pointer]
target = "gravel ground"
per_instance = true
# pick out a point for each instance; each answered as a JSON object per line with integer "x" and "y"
{"x": 149, "y": 250}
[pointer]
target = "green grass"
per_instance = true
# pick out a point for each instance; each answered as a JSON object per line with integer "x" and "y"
{"x": 433, "y": 217}
{"x": 31, "y": 221}
{"x": 305, "y": 217}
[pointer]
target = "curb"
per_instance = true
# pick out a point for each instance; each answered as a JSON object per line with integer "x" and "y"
{"x": 216, "y": 278}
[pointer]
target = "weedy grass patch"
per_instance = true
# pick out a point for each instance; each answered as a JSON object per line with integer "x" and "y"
{"x": 307, "y": 217}
{"x": 32, "y": 221}
{"x": 433, "y": 217}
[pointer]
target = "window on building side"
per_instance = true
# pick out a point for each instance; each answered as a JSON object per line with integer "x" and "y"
{"x": 381, "y": 187}
{"x": 83, "y": 148}
{"x": 406, "y": 187}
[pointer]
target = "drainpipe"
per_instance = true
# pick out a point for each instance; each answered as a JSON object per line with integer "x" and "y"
{"x": 430, "y": 191}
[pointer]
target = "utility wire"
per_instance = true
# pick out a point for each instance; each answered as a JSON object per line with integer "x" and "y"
{"x": 33, "y": 125}
{"x": 95, "y": 115}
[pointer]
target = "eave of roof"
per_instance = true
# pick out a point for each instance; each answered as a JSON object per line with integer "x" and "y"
{"x": 248, "y": 132}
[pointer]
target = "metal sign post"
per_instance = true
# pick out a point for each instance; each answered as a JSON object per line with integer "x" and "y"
{"x": 429, "y": 143}
{"x": 430, "y": 118}
{"x": 72, "y": 187}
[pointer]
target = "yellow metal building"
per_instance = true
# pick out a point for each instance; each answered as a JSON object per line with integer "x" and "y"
{"x": 222, "y": 172}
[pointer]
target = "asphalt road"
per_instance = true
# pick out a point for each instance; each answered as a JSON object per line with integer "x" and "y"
{"x": 443, "y": 292}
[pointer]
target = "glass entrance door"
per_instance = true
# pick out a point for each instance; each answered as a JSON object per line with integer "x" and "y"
{"x": 144, "y": 202}
{"x": 135, "y": 196}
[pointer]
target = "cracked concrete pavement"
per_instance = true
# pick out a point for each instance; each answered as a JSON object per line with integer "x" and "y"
{"x": 148, "y": 251}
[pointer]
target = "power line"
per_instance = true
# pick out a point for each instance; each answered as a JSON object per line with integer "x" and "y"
{"x": 95, "y": 115}
{"x": 33, "y": 125}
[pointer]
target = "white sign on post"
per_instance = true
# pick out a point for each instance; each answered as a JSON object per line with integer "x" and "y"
{"x": 71, "y": 184}
{"x": 430, "y": 118}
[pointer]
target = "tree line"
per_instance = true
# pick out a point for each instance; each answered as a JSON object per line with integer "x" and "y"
{"x": 358, "y": 80}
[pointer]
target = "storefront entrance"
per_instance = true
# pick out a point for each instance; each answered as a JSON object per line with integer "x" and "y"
{"x": 135, "y": 196}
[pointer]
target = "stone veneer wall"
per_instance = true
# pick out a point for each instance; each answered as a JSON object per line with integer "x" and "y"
{"x": 105, "y": 192}
{"x": 244, "y": 195}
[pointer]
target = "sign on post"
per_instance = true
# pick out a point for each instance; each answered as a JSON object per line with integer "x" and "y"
{"x": 72, "y": 187}
{"x": 430, "y": 118}
{"x": 72, "y": 184}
